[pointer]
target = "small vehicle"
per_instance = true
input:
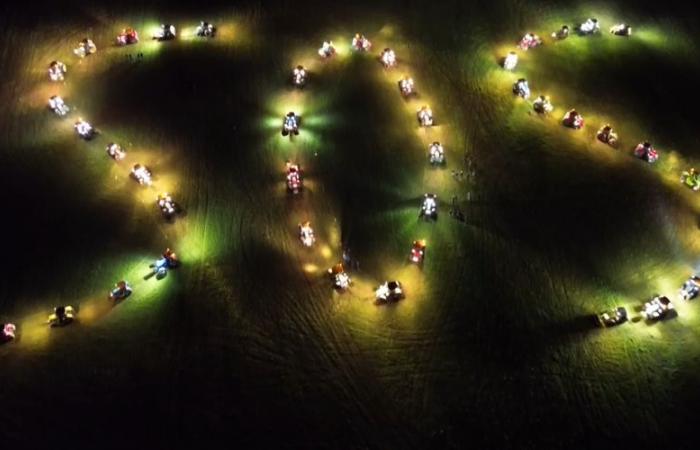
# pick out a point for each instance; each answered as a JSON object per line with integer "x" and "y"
{"x": 290, "y": 126}
{"x": 167, "y": 205}
{"x": 418, "y": 251}
{"x": 58, "y": 106}
{"x": 691, "y": 178}
{"x": 299, "y": 76}
{"x": 542, "y": 105}
{"x": 529, "y": 41}
{"x": 121, "y": 291}
{"x": 206, "y": 29}
{"x": 8, "y": 332}
{"x": 436, "y": 153}
{"x": 361, "y": 43}
{"x": 85, "y": 48}
{"x": 510, "y": 61}
{"x": 306, "y": 234}
{"x": 141, "y": 174}
{"x": 327, "y": 50}
{"x": 521, "y": 88}
{"x": 561, "y": 34}
{"x": 115, "y": 151}
{"x": 341, "y": 279}
{"x": 425, "y": 116}
{"x": 606, "y": 135}
{"x": 388, "y": 58}
{"x": 573, "y": 119}
{"x": 690, "y": 288}
{"x": 57, "y": 71}
{"x": 657, "y": 308}
{"x": 62, "y": 316}
{"x": 389, "y": 291}
{"x": 406, "y": 86}
{"x": 613, "y": 317}
{"x": 590, "y": 26}
{"x": 127, "y": 36}
{"x": 645, "y": 151}
{"x": 166, "y": 262}
{"x": 428, "y": 208}
{"x": 294, "y": 182}
{"x": 621, "y": 29}
{"x": 84, "y": 129}
{"x": 165, "y": 32}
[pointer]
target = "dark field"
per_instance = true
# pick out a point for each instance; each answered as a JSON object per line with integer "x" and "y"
{"x": 246, "y": 345}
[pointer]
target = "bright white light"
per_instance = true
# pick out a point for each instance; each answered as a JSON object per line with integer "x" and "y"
{"x": 529, "y": 41}
{"x": 436, "y": 153}
{"x": 141, "y": 174}
{"x": 299, "y": 76}
{"x": 85, "y": 47}
{"x": 511, "y": 61}
{"x": 361, "y": 43}
{"x": 306, "y": 234}
{"x": 84, "y": 129}
{"x": 521, "y": 88}
{"x": 388, "y": 58}
{"x": 425, "y": 116}
{"x": 542, "y": 105}
{"x": 327, "y": 49}
{"x": 590, "y": 26}
{"x": 58, "y": 106}
{"x": 406, "y": 86}
{"x": 57, "y": 71}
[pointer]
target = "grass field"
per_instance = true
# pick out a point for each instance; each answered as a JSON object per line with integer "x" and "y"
{"x": 247, "y": 344}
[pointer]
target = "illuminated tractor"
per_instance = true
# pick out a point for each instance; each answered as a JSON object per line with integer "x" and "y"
{"x": 294, "y": 182}
{"x": 590, "y": 26}
{"x": 121, "y": 291}
{"x": 127, "y": 36}
{"x": 691, "y": 288}
{"x": 141, "y": 174}
{"x": 167, "y": 261}
{"x": 613, "y": 317}
{"x": 7, "y": 333}
{"x": 167, "y": 205}
{"x": 57, "y": 105}
{"x": 406, "y": 86}
{"x": 621, "y": 29}
{"x": 425, "y": 116}
{"x": 62, "y": 316}
{"x": 361, "y": 43}
{"x": 206, "y": 29}
{"x": 561, "y": 34}
{"x": 657, "y": 308}
{"x": 115, "y": 151}
{"x": 165, "y": 32}
{"x": 607, "y": 135}
{"x": 290, "y": 126}
{"x": 542, "y": 105}
{"x": 529, "y": 41}
{"x": 646, "y": 152}
{"x": 85, "y": 48}
{"x": 299, "y": 76}
{"x": 428, "y": 209}
{"x": 691, "y": 178}
{"x": 388, "y": 58}
{"x": 340, "y": 278}
{"x": 418, "y": 252}
{"x": 510, "y": 61}
{"x": 57, "y": 71}
{"x": 521, "y": 88}
{"x": 84, "y": 129}
{"x": 436, "y": 153}
{"x": 327, "y": 50}
{"x": 306, "y": 234}
{"x": 572, "y": 119}
{"x": 389, "y": 291}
